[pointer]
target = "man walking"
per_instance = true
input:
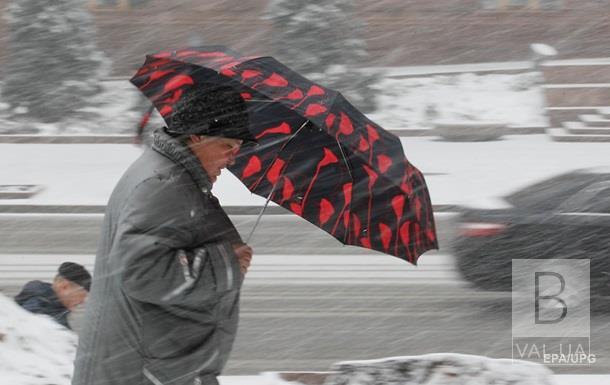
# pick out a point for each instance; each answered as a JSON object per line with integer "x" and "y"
{"x": 164, "y": 301}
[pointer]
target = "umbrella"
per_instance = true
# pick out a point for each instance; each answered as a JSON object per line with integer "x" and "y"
{"x": 318, "y": 156}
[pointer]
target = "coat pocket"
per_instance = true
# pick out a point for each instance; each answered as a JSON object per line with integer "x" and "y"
{"x": 191, "y": 269}
{"x": 171, "y": 335}
{"x": 224, "y": 267}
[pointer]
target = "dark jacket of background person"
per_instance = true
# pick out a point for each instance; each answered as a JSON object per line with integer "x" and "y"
{"x": 156, "y": 315}
{"x": 39, "y": 297}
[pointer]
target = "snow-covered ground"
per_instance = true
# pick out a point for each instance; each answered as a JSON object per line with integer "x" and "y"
{"x": 116, "y": 111}
{"x": 515, "y": 99}
{"x": 470, "y": 173}
{"x": 34, "y": 350}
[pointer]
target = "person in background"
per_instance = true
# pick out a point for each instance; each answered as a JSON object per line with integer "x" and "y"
{"x": 57, "y": 299}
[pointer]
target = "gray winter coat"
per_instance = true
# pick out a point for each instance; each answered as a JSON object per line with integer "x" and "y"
{"x": 163, "y": 306}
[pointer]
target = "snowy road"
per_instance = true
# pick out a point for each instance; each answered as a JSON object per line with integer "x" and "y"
{"x": 308, "y": 327}
{"x": 266, "y": 269}
{"x": 305, "y": 312}
{"x": 310, "y": 310}
{"x": 457, "y": 173}
{"x": 78, "y": 234}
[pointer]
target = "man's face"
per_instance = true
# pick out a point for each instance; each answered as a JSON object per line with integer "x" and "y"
{"x": 214, "y": 153}
{"x": 69, "y": 293}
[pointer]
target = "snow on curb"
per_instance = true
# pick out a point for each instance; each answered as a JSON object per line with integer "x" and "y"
{"x": 264, "y": 378}
{"x": 440, "y": 368}
{"x": 34, "y": 349}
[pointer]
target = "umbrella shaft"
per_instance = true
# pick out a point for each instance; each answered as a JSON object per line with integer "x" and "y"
{"x": 260, "y": 215}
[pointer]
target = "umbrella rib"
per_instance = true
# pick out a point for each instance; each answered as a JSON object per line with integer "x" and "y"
{"x": 258, "y": 219}
{"x": 349, "y": 170}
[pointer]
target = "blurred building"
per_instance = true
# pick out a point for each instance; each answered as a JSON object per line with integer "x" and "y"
{"x": 398, "y": 32}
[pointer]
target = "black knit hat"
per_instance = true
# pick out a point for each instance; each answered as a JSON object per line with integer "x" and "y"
{"x": 76, "y": 273}
{"x": 211, "y": 110}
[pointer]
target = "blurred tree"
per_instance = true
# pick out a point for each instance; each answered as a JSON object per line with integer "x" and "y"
{"x": 322, "y": 40}
{"x": 54, "y": 65}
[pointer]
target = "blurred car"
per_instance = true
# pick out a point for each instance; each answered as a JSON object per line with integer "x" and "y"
{"x": 567, "y": 216}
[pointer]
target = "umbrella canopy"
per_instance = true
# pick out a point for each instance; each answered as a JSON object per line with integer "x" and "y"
{"x": 318, "y": 156}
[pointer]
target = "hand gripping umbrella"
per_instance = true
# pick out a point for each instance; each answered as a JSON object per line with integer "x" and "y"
{"x": 318, "y": 156}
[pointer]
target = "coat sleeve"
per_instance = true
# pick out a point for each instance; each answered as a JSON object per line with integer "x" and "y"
{"x": 33, "y": 305}
{"x": 155, "y": 233}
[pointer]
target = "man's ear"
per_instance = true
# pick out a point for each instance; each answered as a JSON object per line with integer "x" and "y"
{"x": 61, "y": 282}
{"x": 195, "y": 138}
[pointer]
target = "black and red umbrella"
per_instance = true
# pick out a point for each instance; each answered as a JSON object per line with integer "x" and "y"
{"x": 318, "y": 156}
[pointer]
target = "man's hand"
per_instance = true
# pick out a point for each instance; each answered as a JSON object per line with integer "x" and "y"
{"x": 244, "y": 256}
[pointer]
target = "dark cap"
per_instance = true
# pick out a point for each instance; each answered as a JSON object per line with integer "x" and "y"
{"x": 76, "y": 273}
{"x": 211, "y": 110}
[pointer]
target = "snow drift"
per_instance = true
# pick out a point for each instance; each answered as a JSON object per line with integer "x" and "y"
{"x": 34, "y": 349}
{"x": 440, "y": 368}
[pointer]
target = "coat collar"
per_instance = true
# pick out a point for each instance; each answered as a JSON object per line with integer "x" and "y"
{"x": 182, "y": 155}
